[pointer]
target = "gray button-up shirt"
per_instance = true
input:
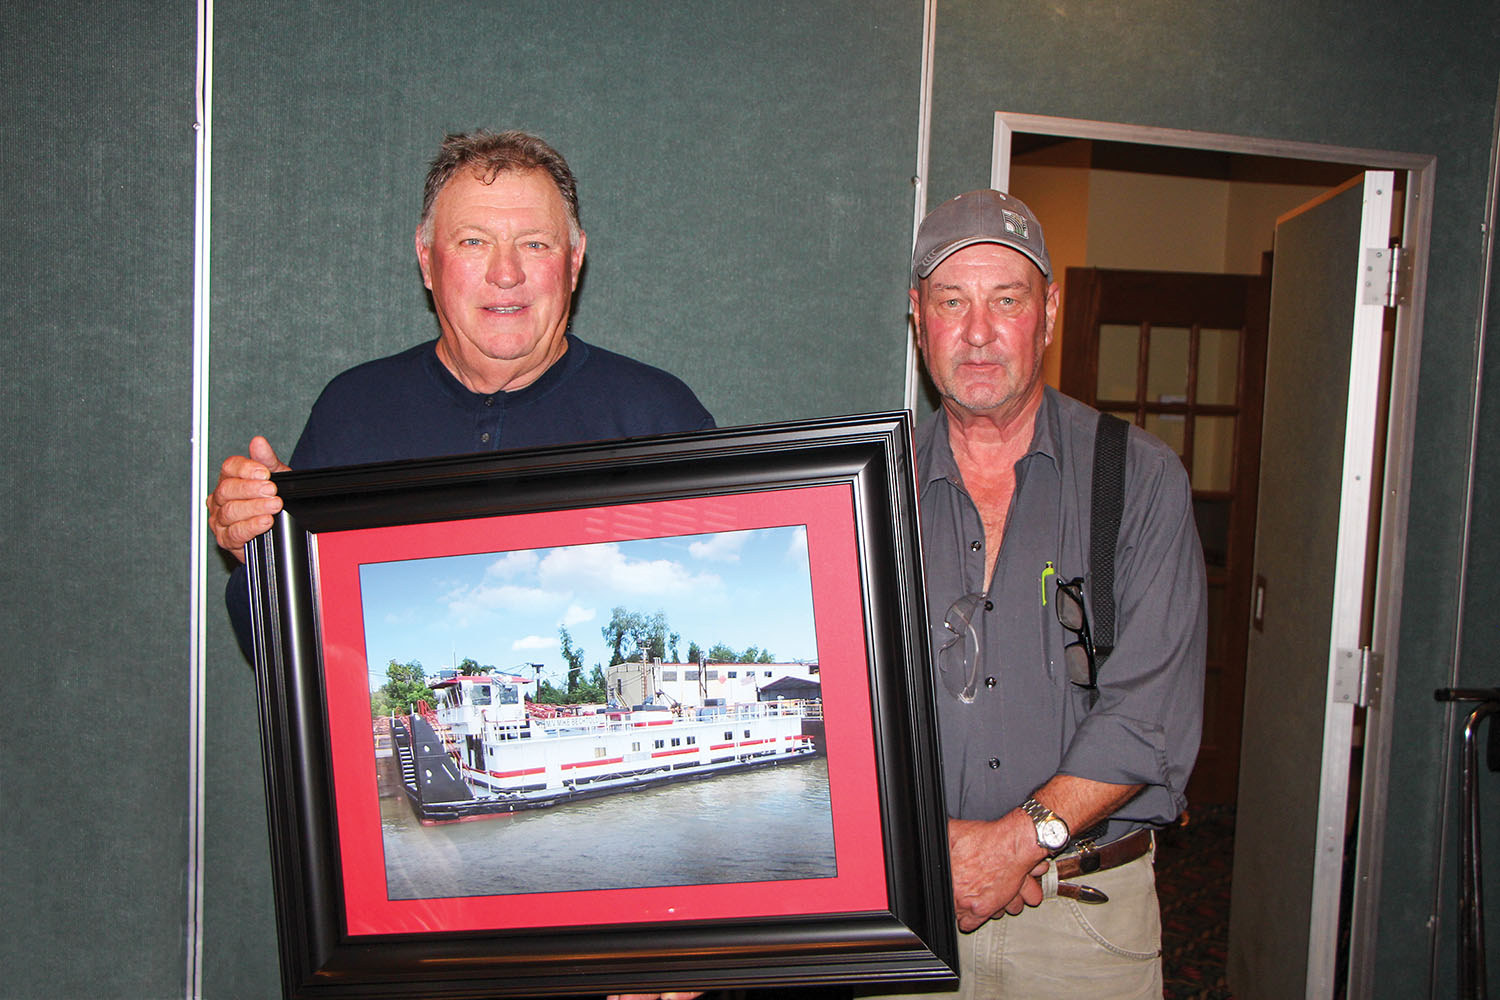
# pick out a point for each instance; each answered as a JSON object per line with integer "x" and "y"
{"x": 1028, "y": 722}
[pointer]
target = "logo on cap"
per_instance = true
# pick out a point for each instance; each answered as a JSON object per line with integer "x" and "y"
{"x": 1014, "y": 223}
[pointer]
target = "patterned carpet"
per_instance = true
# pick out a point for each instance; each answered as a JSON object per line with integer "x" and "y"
{"x": 1193, "y": 864}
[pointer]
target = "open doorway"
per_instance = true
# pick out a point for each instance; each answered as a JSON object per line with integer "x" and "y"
{"x": 1115, "y": 197}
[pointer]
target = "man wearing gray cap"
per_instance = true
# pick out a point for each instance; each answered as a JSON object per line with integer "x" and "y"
{"x": 1057, "y": 763}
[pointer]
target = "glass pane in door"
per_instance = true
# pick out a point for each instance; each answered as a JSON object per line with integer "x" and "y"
{"x": 1213, "y": 453}
{"x": 1119, "y": 355}
{"x": 1169, "y": 427}
{"x": 1218, "y": 365}
{"x": 1167, "y": 364}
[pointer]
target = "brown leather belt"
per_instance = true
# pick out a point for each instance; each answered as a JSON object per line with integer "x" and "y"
{"x": 1088, "y": 859}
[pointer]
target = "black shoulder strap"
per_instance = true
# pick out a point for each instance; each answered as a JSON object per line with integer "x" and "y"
{"x": 1104, "y": 533}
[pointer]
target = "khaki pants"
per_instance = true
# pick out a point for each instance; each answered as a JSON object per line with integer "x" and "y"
{"x": 1064, "y": 949}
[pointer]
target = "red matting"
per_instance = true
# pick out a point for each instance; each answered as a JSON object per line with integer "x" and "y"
{"x": 839, "y": 616}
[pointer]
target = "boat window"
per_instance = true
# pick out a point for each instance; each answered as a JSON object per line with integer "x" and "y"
{"x": 692, "y": 740}
{"x": 509, "y": 694}
{"x": 481, "y": 694}
{"x": 660, "y": 744}
{"x": 669, "y": 675}
{"x": 733, "y": 674}
{"x": 713, "y": 675}
{"x": 677, "y": 741}
{"x": 692, "y": 675}
{"x": 635, "y": 748}
{"x": 729, "y": 734}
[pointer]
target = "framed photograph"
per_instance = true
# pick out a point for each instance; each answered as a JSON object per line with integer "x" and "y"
{"x": 616, "y": 717}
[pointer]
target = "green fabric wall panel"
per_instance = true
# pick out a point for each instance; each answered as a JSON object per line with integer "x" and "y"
{"x": 1480, "y": 634}
{"x": 96, "y": 169}
{"x": 744, "y": 175}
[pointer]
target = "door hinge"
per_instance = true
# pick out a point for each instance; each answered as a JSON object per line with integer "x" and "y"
{"x": 1357, "y": 677}
{"x": 1387, "y": 277}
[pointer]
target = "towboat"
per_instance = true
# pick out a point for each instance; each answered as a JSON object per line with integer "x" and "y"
{"x": 486, "y": 750}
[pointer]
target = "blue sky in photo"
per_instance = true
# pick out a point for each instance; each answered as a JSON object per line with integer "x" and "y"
{"x": 740, "y": 588}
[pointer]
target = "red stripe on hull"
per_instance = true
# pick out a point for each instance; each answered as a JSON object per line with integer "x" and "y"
{"x": 512, "y": 774}
{"x": 594, "y": 763}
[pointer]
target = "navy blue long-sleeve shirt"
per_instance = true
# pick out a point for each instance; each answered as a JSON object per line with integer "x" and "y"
{"x": 409, "y": 405}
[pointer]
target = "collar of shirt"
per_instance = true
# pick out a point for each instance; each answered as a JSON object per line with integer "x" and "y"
{"x": 572, "y": 359}
{"x": 935, "y": 459}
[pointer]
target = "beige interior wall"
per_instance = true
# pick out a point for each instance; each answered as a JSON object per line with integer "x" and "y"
{"x": 1153, "y": 223}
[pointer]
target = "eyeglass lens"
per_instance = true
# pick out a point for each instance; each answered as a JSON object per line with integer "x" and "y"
{"x": 1079, "y": 654}
{"x": 958, "y": 658}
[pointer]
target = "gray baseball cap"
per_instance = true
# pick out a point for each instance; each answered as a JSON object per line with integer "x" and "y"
{"x": 982, "y": 216}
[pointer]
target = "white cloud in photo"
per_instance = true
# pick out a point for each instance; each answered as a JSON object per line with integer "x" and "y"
{"x": 605, "y": 566}
{"x": 724, "y": 546}
{"x": 466, "y": 604}
{"x": 535, "y": 642}
{"x": 576, "y": 615}
{"x": 510, "y": 565}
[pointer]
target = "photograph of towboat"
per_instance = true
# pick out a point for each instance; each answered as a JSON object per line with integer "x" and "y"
{"x": 481, "y": 743}
{"x": 697, "y": 777}
{"x": 485, "y": 749}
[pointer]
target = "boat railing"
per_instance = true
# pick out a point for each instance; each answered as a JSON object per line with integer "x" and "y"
{"x": 444, "y": 731}
{"x": 797, "y": 707}
{"x": 602, "y": 722}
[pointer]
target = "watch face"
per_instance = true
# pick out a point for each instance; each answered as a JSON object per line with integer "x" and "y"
{"x": 1052, "y": 833}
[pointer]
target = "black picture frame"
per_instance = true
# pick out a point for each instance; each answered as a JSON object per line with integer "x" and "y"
{"x": 909, "y": 938}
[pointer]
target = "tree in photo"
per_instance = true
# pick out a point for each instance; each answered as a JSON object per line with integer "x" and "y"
{"x": 406, "y": 685}
{"x": 573, "y": 656}
{"x": 720, "y": 653}
{"x": 634, "y": 636}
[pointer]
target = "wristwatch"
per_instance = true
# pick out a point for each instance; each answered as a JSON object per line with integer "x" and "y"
{"x": 1052, "y": 833}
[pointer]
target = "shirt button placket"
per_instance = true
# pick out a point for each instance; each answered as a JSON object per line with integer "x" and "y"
{"x": 485, "y": 436}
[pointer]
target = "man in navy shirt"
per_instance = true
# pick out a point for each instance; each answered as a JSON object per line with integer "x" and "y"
{"x": 500, "y": 248}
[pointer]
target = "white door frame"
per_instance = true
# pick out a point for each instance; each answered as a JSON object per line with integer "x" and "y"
{"x": 1406, "y": 354}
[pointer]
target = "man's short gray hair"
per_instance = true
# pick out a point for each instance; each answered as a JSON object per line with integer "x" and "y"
{"x": 490, "y": 153}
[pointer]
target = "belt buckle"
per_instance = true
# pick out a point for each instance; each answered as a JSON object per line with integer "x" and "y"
{"x": 1088, "y": 857}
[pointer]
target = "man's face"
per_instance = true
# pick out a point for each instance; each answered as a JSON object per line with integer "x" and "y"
{"x": 502, "y": 269}
{"x": 984, "y": 316}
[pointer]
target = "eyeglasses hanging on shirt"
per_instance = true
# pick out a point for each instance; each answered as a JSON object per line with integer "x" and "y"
{"x": 958, "y": 658}
{"x": 1083, "y": 668}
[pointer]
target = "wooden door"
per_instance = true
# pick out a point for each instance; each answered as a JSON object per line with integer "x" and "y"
{"x": 1183, "y": 355}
